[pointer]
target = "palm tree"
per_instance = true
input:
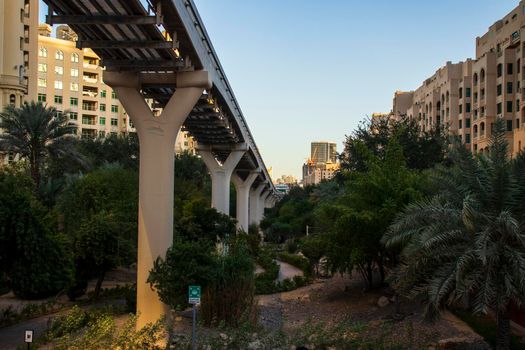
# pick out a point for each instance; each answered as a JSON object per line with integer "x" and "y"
{"x": 36, "y": 132}
{"x": 467, "y": 242}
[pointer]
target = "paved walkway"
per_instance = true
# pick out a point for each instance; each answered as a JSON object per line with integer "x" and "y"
{"x": 13, "y": 336}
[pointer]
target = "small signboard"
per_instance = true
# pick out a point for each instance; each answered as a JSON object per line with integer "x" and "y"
{"x": 194, "y": 295}
{"x": 28, "y": 338}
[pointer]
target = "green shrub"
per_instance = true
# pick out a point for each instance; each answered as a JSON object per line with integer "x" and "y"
{"x": 291, "y": 246}
{"x": 226, "y": 278}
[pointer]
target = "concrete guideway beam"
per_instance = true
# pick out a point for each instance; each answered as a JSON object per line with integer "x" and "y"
{"x": 242, "y": 188}
{"x": 221, "y": 175}
{"x": 157, "y": 137}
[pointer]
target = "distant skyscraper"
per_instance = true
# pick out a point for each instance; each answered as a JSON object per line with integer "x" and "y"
{"x": 323, "y": 152}
{"x": 322, "y": 164}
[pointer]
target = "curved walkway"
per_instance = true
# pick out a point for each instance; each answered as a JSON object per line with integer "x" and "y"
{"x": 287, "y": 271}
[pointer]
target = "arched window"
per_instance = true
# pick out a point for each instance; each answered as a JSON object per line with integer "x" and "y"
{"x": 475, "y": 130}
{"x": 482, "y": 128}
{"x": 482, "y": 75}
{"x": 74, "y": 57}
{"x": 443, "y": 98}
{"x": 475, "y": 79}
{"x": 500, "y": 70}
{"x": 426, "y": 107}
{"x": 59, "y": 55}
{"x": 448, "y": 96}
{"x": 12, "y": 99}
{"x": 42, "y": 52}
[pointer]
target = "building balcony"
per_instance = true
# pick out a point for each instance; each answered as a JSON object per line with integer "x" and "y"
{"x": 90, "y": 66}
{"x": 90, "y": 80}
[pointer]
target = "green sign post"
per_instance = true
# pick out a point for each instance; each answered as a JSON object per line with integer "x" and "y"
{"x": 194, "y": 294}
{"x": 194, "y": 298}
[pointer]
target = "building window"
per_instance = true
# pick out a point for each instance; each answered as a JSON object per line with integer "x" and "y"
{"x": 509, "y": 87}
{"x": 59, "y": 70}
{"x": 517, "y": 105}
{"x": 103, "y": 93}
{"x": 58, "y": 84}
{"x": 467, "y": 138}
{"x": 42, "y": 52}
{"x": 460, "y": 92}
{"x": 102, "y": 120}
{"x": 460, "y": 124}
{"x": 500, "y": 70}
{"x": 509, "y": 125}
{"x": 499, "y": 108}
{"x": 58, "y": 99}
{"x": 475, "y": 80}
{"x": 114, "y": 109}
{"x": 517, "y": 123}
{"x": 74, "y": 57}
{"x": 482, "y": 94}
{"x": 42, "y": 82}
{"x": 74, "y": 86}
{"x": 42, "y": 97}
{"x": 59, "y": 55}
{"x": 518, "y": 66}
{"x": 114, "y": 122}
{"x": 467, "y": 92}
{"x": 499, "y": 90}
{"x": 510, "y": 69}
{"x": 113, "y": 95}
{"x": 510, "y": 104}
{"x": 42, "y": 67}
{"x": 73, "y": 115}
{"x": 467, "y": 123}
{"x": 102, "y": 107}
{"x": 74, "y": 72}
{"x": 482, "y": 75}
{"x": 467, "y": 108}
{"x": 101, "y": 133}
{"x": 460, "y": 109}
{"x": 73, "y": 101}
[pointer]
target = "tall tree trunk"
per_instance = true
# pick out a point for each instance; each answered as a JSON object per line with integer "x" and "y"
{"x": 381, "y": 269}
{"x": 370, "y": 276}
{"x": 503, "y": 331}
{"x": 98, "y": 286}
{"x": 35, "y": 170}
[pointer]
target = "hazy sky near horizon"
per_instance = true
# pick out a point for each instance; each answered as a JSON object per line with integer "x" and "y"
{"x": 306, "y": 70}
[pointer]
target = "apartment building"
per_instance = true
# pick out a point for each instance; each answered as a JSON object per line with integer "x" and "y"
{"x": 71, "y": 79}
{"x": 468, "y": 96}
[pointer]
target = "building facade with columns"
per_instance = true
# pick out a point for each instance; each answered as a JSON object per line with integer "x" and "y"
{"x": 466, "y": 97}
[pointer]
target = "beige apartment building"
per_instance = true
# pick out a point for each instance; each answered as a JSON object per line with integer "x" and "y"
{"x": 466, "y": 97}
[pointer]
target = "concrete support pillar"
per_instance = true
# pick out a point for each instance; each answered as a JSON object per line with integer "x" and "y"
{"x": 221, "y": 176}
{"x": 242, "y": 188}
{"x": 255, "y": 194}
{"x": 261, "y": 205}
{"x": 157, "y": 141}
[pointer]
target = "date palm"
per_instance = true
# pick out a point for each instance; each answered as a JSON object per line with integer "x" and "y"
{"x": 467, "y": 242}
{"x": 36, "y": 132}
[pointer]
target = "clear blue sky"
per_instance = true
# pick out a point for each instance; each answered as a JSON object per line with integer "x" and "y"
{"x": 306, "y": 70}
